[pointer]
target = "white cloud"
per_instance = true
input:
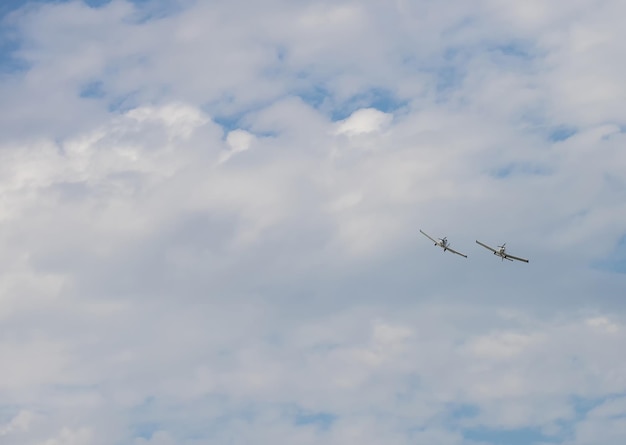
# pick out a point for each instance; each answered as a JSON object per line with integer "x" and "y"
{"x": 20, "y": 423}
{"x": 238, "y": 141}
{"x": 603, "y": 324}
{"x": 152, "y": 293}
{"x": 180, "y": 120}
{"x": 71, "y": 437}
{"x": 367, "y": 120}
{"x": 501, "y": 345}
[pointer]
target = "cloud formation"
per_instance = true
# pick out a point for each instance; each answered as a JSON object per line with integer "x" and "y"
{"x": 209, "y": 220}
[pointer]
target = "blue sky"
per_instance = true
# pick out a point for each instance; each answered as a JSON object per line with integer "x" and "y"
{"x": 210, "y": 214}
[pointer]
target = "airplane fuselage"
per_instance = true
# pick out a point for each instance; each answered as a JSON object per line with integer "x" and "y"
{"x": 502, "y": 254}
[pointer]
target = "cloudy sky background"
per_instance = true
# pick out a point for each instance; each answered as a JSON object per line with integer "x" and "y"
{"x": 210, "y": 214}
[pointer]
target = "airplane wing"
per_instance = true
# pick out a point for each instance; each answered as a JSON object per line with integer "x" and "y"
{"x": 429, "y": 237}
{"x": 454, "y": 251}
{"x": 515, "y": 258}
{"x": 486, "y": 246}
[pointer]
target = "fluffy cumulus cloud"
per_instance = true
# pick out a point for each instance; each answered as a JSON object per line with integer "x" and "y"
{"x": 210, "y": 214}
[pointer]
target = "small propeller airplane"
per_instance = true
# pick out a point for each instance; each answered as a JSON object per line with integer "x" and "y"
{"x": 443, "y": 243}
{"x": 501, "y": 252}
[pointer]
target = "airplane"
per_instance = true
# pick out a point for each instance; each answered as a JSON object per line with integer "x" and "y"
{"x": 501, "y": 252}
{"x": 443, "y": 243}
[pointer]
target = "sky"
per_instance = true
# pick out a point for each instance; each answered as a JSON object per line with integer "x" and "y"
{"x": 210, "y": 215}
